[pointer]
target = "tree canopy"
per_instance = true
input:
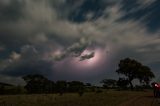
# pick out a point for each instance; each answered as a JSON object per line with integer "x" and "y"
{"x": 39, "y": 84}
{"x": 133, "y": 69}
{"x": 109, "y": 83}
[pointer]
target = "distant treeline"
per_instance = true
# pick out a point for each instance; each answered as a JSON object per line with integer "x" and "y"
{"x": 11, "y": 89}
{"x": 38, "y": 84}
{"x": 129, "y": 68}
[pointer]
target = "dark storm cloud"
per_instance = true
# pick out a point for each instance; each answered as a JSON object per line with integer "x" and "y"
{"x": 29, "y": 67}
{"x": 31, "y": 31}
{"x": 28, "y": 61}
{"x": 79, "y": 47}
{"x": 87, "y": 56}
{"x": 74, "y": 50}
{"x": 10, "y": 10}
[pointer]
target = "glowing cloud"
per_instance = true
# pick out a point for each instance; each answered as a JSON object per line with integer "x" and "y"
{"x": 90, "y": 63}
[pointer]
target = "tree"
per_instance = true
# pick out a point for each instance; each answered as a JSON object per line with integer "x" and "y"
{"x": 88, "y": 85}
{"x": 122, "y": 83}
{"x": 61, "y": 87}
{"x": 38, "y": 84}
{"x": 75, "y": 86}
{"x": 133, "y": 69}
{"x": 2, "y": 89}
{"x": 145, "y": 75}
{"x": 109, "y": 83}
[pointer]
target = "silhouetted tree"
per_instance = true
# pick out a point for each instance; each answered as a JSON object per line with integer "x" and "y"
{"x": 88, "y": 85}
{"x": 76, "y": 86}
{"x": 2, "y": 89}
{"x": 132, "y": 69}
{"x": 109, "y": 83}
{"x": 38, "y": 84}
{"x": 145, "y": 75}
{"x": 122, "y": 83}
{"x": 61, "y": 87}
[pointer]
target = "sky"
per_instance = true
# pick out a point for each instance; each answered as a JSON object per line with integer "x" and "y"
{"x": 76, "y": 39}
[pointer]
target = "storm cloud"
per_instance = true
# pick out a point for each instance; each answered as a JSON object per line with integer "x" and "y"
{"x": 34, "y": 34}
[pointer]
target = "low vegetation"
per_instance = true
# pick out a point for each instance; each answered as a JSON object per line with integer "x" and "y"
{"x": 105, "y": 98}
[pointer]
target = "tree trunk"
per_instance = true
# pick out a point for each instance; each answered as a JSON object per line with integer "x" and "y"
{"x": 131, "y": 85}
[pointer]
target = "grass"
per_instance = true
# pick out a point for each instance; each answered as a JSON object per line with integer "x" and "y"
{"x": 106, "y": 98}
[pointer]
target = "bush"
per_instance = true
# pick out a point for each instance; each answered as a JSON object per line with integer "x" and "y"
{"x": 99, "y": 91}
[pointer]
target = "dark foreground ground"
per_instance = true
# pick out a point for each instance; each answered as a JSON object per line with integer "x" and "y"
{"x": 106, "y": 98}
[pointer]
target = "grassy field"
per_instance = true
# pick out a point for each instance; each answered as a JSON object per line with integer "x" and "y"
{"x": 106, "y": 98}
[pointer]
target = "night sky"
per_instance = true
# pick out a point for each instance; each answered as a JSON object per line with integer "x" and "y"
{"x": 76, "y": 39}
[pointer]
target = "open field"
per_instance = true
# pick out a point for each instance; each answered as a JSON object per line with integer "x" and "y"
{"x": 106, "y": 98}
